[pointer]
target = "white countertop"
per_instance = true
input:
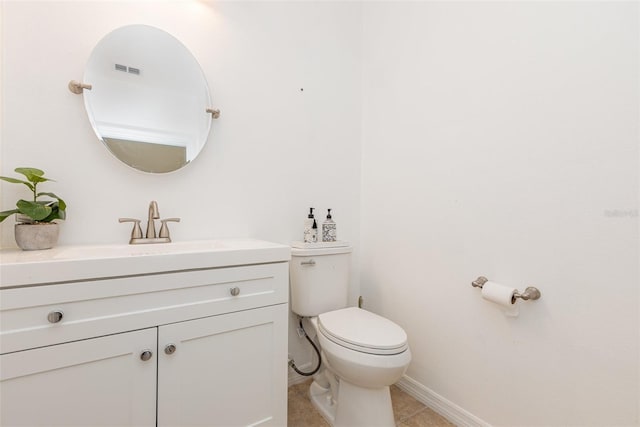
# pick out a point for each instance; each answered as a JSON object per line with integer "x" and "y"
{"x": 73, "y": 263}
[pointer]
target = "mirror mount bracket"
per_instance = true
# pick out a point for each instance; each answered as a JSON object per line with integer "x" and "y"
{"x": 77, "y": 87}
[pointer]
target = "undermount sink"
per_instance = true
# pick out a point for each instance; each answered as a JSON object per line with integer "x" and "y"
{"x": 18, "y": 268}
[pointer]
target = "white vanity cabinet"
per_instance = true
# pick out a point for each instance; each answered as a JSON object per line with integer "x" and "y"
{"x": 95, "y": 382}
{"x": 200, "y": 341}
{"x": 233, "y": 362}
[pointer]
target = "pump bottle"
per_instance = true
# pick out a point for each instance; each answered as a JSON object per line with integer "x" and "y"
{"x": 308, "y": 228}
{"x": 329, "y": 229}
{"x": 314, "y": 232}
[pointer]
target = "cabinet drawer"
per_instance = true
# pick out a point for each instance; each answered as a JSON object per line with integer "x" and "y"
{"x": 102, "y": 307}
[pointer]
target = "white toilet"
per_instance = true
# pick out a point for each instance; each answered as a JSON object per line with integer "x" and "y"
{"x": 363, "y": 353}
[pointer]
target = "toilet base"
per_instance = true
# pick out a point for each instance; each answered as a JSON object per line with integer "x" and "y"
{"x": 355, "y": 406}
{"x": 322, "y": 400}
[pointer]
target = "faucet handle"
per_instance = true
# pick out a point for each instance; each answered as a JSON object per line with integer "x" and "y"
{"x": 164, "y": 230}
{"x": 136, "y": 232}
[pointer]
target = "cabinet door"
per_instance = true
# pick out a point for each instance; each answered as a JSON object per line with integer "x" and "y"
{"x": 96, "y": 382}
{"x": 227, "y": 370}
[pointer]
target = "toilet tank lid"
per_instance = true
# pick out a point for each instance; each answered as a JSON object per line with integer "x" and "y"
{"x": 317, "y": 251}
{"x": 363, "y": 329}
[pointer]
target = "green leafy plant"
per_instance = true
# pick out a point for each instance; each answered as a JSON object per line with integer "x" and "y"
{"x": 37, "y": 210}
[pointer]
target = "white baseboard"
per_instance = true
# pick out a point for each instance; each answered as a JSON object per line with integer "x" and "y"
{"x": 439, "y": 404}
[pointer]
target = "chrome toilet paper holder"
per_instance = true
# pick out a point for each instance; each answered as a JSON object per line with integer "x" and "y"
{"x": 531, "y": 293}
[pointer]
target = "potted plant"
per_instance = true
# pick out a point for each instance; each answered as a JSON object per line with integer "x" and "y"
{"x": 35, "y": 228}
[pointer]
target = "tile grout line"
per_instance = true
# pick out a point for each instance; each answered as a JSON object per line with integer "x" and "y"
{"x": 417, "y": 411}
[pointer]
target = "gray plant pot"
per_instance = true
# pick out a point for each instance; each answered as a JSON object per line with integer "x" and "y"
{"x": 36, "y": 236}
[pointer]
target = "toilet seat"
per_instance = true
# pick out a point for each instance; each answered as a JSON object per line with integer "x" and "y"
{"x": 363, "y": 331}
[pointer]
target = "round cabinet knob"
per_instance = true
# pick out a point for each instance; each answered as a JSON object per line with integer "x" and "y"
{"x": 55, "y": 316}
{"x": 170, "y": 349}
{"x": 146, "y": 355}
{"x": 235, "y": 291}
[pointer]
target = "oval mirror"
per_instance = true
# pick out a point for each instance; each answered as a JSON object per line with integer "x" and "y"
{"x": 148, "y": 100}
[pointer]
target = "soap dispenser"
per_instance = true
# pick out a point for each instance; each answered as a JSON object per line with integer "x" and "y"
{"x": 314, "y": 232}
{"x": 329, "y": 229}
{"x": 308, "y": 228}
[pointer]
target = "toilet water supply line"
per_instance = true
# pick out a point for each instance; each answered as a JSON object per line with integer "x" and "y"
{"x": 292, "y": 364}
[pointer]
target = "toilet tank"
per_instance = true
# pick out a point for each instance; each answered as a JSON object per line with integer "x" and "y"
{"x": 319, "y": 279}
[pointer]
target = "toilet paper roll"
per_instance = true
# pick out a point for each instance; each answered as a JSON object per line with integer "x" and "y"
{"x": 500, "y": 294}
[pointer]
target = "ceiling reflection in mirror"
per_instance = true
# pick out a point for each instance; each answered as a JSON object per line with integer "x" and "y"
{"x": 148, "y": 99}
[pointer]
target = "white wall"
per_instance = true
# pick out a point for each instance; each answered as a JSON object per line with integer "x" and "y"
{"x": 275, "y": 151}
{"x": 501, "y": 139}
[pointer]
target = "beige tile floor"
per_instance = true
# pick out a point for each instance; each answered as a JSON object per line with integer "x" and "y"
{"x": 408, "y": 411}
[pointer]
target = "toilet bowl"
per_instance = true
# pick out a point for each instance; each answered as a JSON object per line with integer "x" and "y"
{"x": 362, "y": 353}
{"x": 367, "y": 349}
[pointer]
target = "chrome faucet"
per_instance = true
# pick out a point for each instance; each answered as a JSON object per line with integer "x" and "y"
{"x": 151, "y": 224}
{"x": 150, "y": 237}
